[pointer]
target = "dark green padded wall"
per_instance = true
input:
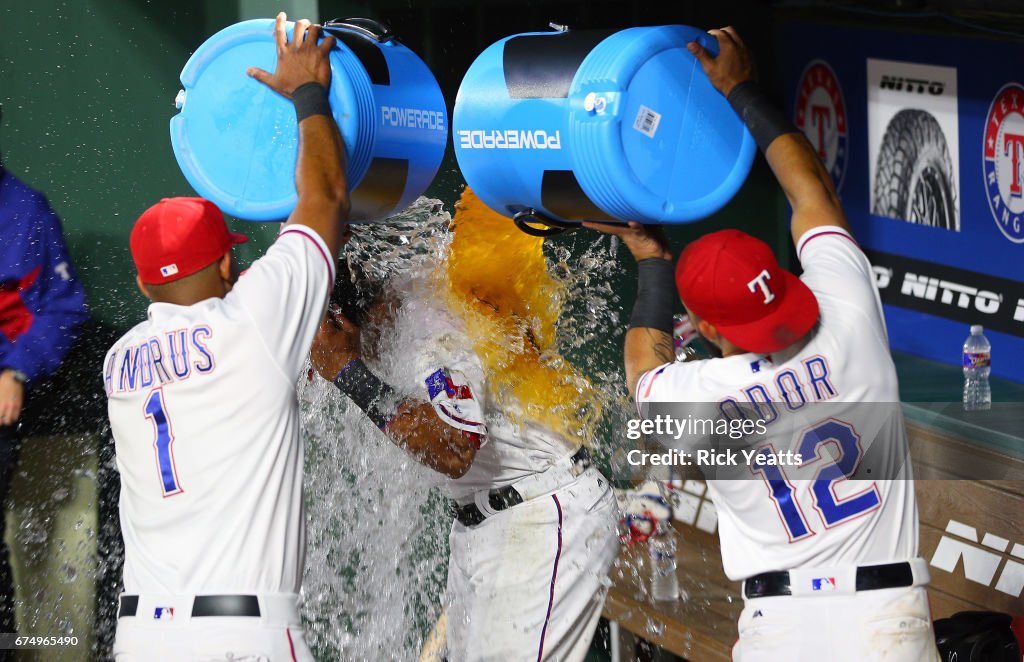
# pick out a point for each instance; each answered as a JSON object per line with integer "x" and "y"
{"x": 88, "y": 87}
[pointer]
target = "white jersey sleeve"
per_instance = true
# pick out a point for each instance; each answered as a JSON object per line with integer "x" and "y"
{"x": 654, "y": 385}
{"x": 451, "y": 380}
{"x": 839, "y": 274}
{"x": 285, "y": 294}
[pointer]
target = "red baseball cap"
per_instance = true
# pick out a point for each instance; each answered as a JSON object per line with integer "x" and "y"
{"x": 733, "y": 281}
{"x": 177, "y": 237}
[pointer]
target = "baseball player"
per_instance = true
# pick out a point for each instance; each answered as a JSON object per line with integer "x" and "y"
{"x": 534, "y": 534}
{"x": 203, "y": 406}
{"x": 829, "y": 566}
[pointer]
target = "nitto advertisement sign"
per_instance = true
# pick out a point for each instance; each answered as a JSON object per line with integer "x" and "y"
{"x": 943, "y": 291}
{"x": 913, "y": 143}
{"x": 924, "y": 139}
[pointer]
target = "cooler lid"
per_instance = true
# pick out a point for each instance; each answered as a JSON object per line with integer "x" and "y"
{"x": 235, "y": 140}
{"x": 662, "y": 145}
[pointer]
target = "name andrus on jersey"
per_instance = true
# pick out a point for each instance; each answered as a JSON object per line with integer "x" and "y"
{"x": 160, "y": 360}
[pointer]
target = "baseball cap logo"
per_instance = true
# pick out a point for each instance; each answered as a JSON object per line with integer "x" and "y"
{"x": 773, "y": 311}
{"x": 760, "y": 283}
{"x": 177, "y": 237}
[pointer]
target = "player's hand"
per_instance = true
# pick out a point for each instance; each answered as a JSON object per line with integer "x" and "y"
{"x": 12, "y": 394}
{"x": 643, "y": 241}
{"x": 336, "y": 343}
{"x": 732, "y": 66}
{"x": 299, "y": 62}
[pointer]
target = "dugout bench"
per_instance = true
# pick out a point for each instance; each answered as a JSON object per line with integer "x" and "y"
{"x": 971, "y": 534}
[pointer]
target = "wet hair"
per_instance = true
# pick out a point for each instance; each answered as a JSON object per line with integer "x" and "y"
{"x": 354, "y": 292}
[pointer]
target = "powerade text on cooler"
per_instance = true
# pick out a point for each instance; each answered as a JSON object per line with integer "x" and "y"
{"x": 592, "y": 125}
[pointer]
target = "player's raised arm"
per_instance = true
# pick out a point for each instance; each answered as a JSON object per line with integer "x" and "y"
{"x": 303, "y": 74}
{"x": 446, "y": 447}
{"x": 792, "y": 158}
{"x": 649, "y": 338}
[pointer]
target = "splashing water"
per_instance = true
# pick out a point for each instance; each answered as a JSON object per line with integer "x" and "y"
{"x": 377, "y": 527}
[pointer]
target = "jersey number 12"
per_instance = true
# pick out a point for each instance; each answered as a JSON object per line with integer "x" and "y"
{"x": 833, "y": 510}
{"x": 156, "y": 412}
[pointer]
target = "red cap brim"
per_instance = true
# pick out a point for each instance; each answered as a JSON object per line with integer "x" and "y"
{"x": 237, "y": 238}
{"x": 795, "y": 315}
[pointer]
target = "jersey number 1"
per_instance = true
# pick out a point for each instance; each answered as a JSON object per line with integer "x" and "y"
{"x": 156, "y": 412}
{"x": 833, "y": 510}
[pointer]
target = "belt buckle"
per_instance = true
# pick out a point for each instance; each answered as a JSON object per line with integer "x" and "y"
{"x": 482, "y": 500}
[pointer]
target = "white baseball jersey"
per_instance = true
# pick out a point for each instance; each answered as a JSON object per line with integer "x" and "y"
{"x": 204, "y": 413}
{"x": 805, "y": 514}
{"x": 438, "y": 341}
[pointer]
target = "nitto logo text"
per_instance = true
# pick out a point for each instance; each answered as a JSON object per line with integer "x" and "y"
{"x": 914, "y": 85}
{"x": 950, "y": 293}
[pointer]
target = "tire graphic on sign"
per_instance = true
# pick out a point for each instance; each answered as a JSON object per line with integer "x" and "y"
{"x": 914, "y": 177}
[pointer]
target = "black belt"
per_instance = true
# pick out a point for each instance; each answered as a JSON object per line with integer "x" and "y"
{"x": 203, "y": 605}
{"x": 869, "y": 578}
{"x": 506, "y": 497}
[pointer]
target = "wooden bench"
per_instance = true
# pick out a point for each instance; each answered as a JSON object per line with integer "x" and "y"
{"x": 971, "y": 533}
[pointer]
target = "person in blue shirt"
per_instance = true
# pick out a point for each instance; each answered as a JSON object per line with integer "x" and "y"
{"x": 42, "y": 305}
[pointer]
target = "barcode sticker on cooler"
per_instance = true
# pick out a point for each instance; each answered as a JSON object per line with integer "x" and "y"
{"x": 647, "y": 121}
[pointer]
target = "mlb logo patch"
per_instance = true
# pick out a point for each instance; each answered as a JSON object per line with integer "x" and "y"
{"x": 163, "y": 613}
{"x": 823, "y": 584}
{"x": 169, "y": 270}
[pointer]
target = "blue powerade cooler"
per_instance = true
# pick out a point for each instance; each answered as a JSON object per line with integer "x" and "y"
{"x": 560, "y": 127}
{"x": 236, "y": 140}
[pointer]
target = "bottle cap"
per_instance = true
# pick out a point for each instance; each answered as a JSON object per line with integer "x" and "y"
{"x": 976, "y": 329}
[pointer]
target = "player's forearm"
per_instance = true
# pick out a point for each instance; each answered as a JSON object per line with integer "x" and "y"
{"x": 320, "y": 181}
{"x": 806, "y": 183}
{"x": 417, "y": 429}
{"x": 649, "y": 339}
{"x": 796, "y": 165}
{"x": 645, "y": 350}
{"x": 413, "y": 426}
{"x": 41, "y": 349}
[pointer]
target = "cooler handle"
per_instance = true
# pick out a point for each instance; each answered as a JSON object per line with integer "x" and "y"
{"x": 549, "y": 226}
{"x": 709, "y": 43}
{"x": 364, "y": 27}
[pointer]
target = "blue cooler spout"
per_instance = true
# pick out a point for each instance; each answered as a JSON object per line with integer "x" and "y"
{"x": 236, "y": 141}
{"x": 555, "y": 128}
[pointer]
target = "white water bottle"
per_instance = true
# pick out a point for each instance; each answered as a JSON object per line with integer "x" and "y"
{"x": 662, "y": 548}
{"x": 977, "y": 362}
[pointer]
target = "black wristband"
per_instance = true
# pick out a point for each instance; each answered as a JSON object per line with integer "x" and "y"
{"x": 655, "y": 295}
{"x": 310, "y": 99}
{"x": 765, "y": 121}
{"x": 368, "y": 392}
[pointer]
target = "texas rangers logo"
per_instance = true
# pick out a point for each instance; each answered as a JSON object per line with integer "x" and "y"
{"x": 1004, "y": 160}
{"x": 821, "y": 115}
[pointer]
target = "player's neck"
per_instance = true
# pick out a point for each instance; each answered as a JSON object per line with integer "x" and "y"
{"x": 194, "y": 293}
